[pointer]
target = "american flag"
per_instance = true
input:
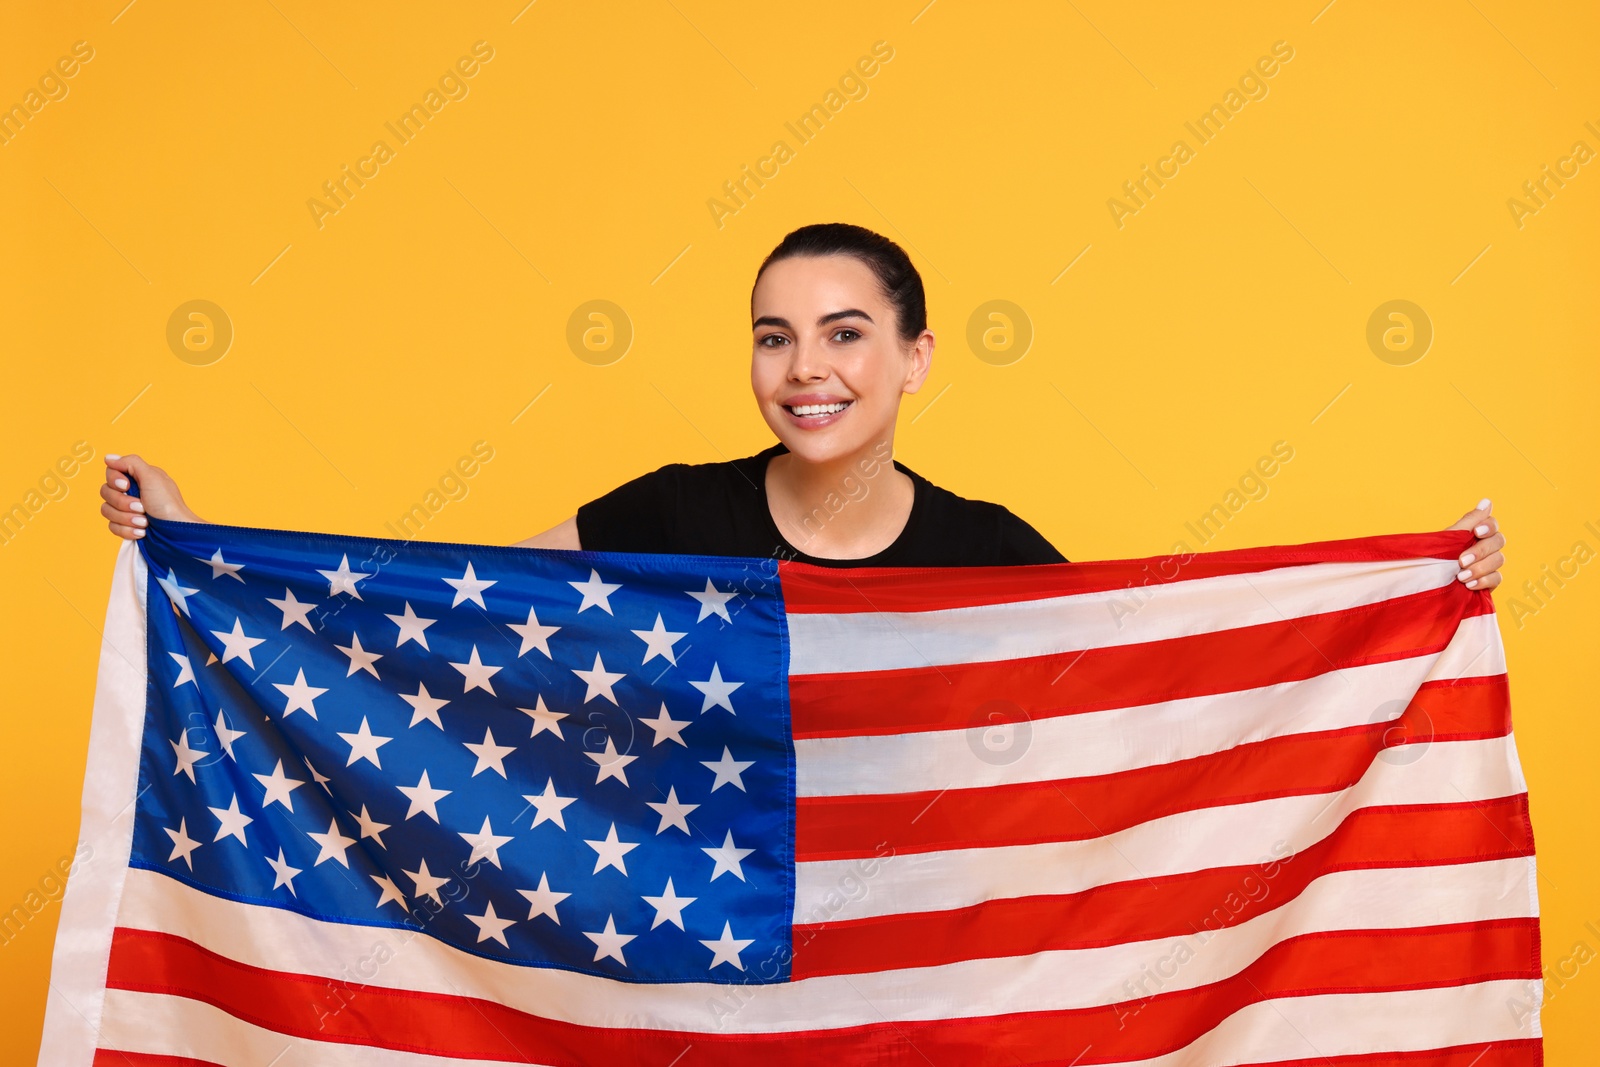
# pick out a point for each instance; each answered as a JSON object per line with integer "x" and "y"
{"x": 400, "y": 803}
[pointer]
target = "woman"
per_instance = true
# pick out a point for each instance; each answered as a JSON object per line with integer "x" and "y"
{"x": 840, "y": 335}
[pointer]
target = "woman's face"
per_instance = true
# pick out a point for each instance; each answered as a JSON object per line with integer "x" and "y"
{"x": 827, "y": 365}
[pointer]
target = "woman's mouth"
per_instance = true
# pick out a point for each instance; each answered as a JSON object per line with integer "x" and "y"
{"x": 813, "y": 416}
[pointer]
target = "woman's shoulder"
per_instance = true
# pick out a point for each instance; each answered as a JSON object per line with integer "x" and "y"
{"x": 986, "y": 532}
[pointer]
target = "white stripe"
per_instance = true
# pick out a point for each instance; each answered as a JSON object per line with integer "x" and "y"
{"x": 73, "y": 1008}
{"x": 1123, "y": 739}
{"x": 888, "y": 640}
{"x": 1285, "y": 1028}
{"x": 1448, "y": 772}
{"x": 1383, "y": 898}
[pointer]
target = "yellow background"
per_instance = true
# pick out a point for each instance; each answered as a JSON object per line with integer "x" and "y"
{"x": 1229, "y": 313}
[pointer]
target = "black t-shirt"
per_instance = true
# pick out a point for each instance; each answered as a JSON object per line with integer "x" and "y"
{"x": 720, "y": 509}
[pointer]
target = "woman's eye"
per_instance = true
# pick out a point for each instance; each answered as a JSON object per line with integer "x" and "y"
{"x": 853, "y": 334}
{"x": 771, "y": 337}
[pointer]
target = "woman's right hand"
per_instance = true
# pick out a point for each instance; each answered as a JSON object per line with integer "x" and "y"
{"x": 158, "y": 496}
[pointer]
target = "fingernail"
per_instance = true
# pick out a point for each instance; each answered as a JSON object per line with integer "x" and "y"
{"x": 122, "y": 483}
{"x": 112, "y": 455}
{"x": 138, "y": 506}
{"x": 1482, "y": 504}
{"x": 1482, "y": 531}
{"x": 1473, "y": 584}
{"x": 1463, "y": 575}
{"x": 138, "y": 533}
{"x": 140, "y": 520}
{"x": 1466, "y": 559}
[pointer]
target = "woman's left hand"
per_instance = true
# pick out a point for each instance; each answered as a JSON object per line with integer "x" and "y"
{"x": 1481, "y": 562}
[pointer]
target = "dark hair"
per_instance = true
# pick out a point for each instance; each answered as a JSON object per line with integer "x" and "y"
{"x": 897, "y": 278}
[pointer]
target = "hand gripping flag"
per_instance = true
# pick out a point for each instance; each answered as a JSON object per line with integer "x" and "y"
{"x": 396, "y": 803}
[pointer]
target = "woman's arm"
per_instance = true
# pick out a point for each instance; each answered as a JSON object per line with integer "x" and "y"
{"x": 563, "y": 535}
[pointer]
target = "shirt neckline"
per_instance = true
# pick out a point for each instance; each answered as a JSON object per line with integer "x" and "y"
{"x": 918, "y": 505}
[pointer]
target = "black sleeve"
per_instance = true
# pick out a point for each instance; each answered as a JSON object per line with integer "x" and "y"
{"x": 1022, "y": 544}
{"x": 636, "y": 516}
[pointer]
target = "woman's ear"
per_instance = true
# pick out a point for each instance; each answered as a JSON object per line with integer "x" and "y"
{"x": 921, "y": 361}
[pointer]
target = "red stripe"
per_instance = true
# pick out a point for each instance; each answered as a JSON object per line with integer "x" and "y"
{"x": 1344, "y": 962}
{"x": 847, "y": 827}
{"x": 107, "y": 1057}
{"x": 810, "y": 589}
{"x": 1167, "y": 906}
{"x": 956, "y": 696}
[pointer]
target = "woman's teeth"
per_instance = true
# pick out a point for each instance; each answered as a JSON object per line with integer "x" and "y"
{"x": 819, "y": 409}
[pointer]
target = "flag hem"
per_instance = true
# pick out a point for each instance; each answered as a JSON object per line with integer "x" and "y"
{"x": 89, "y": 907}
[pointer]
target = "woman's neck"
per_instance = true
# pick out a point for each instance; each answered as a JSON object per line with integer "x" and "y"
{"x": 850, "y": 507}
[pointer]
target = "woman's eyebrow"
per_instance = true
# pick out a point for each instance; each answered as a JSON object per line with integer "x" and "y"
{"x": 832, "y": 316}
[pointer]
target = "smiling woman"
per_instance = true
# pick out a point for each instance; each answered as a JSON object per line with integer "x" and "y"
{"x": 840, "y": 336}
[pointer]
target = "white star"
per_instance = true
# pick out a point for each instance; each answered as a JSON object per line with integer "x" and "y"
{"x": 411, "y": 627}
{"x": 186, "y": 755}
{"x": 301, "y": 696}
{"x": 728, "y": 770}
{"x": 469, "y": 587}
{"x": 599, "y": 680}
{"x": 371, "y": 827}
{"x": 424, "y": 797}
{"x": 490, "y": 755}
{"x": 232, "y": 821}
{"x": 544, "y": 719}
{"x": 673, "y": 812}
{"x": 182, "y": 843}
{"x": 533, "y": 634}
{"x": 220, "y": 566}
{"x": 237, "y": 643}
{"x": 185, "y": 670}
{"x": 390, "y": 891}
{"x": 226, "y": 736}
{"x": 669, "y": 906}
{"x": 284, "y": 874}
{"x": 333, "y": 844}
{"x": 609, "y": 853}
{"x": 360, "y": 658}
{"x": 543, "y": 901}
{"x": 424, "y": 705}
{"x": 727, "y": 857}
{"x": 658, "y": 641}
{"x": 176, "y": 591}
{"x": 727, "y": 948}
{"x": 279, "y": 786}
{"x": 716, "y": 690}
{"x": 491, "y": 925}
{"x": 485, "y": 844}
{"x": 364, "y": 744}
{"x": 427, "y": 883}
{"x": 476, "y": 673}
{"x": 294, "y": 611}
{"x": 712, "y": 602}
{"x": 595, "y": 592}
{"x": 548, "y": 806}
{"x": 344, "y": 579}
{"x": 667, "y": 728}
{"x": 608, "y": 942}
{"x": 612, "y": 764}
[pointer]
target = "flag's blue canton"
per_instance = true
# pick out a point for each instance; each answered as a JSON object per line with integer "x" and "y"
{"x": 582, "y": 761}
